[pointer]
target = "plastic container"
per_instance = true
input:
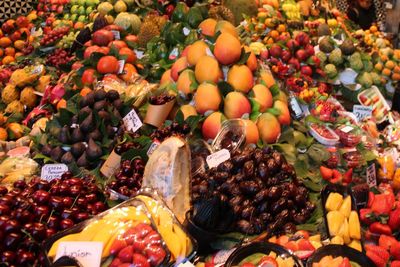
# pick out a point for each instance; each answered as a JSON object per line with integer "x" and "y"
{"x": 349, "y": 136}
{"x": 123, "y": 222}
{"x": 348, "y": 115}
{"x": 373, "y": 97}
{"x": 353, "y": 159}
{"x": 333, "y": 161}
{"x": 162, "y": 216}
{"x": 324, "y": 135}
{"x": 340, "y": 250}
{"x": 243, "y": 252}
{"x": 231, "y": 136}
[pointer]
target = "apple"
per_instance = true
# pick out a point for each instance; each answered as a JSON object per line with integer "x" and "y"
{"x": 292, "y": 45}
{"x": 82, "y": 18}
{"x": 102, "y": 37}
{"x": 275, "y": 51}
{"x": 74, "y": 17}
{"x": 264, "y": 54}
{"x": 60, "y": 9}
{"x": 15, "y": 36}
{"x": 301, "y": 55}
{"x": 89, "y": 10}
{"x": 286, "y": 55}
{"x": 22, "y": 22}
{"x": 81, "y": 2}
{"x": 81, "y": 10}
{"x": 309, "y": 50}
{"x": 306, "y": 70}
{"x": 302, "y": 38}
{"x": 295, "y": 63}
{"x": 66, "y": 17}
{"x": 74, "y": 9}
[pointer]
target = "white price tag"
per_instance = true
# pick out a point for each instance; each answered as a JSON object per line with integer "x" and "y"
{"x": 88, "y": 254}
{"x": 116, "y": 34}
{"x": 362, "y": 112}
{"x": 152, "y": 148}
{"x": 132, "y": 121}
{"x": 347, "y": 129}
{"x": 121, "y": 64}
{"x": 186, "y": 31}
{"x": 53, "y": 171}
{"x": 371, "y": 175}
{"x": 218, "y": 157}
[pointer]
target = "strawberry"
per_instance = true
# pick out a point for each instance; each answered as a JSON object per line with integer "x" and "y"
{"x": 116, "y": 263}
{"x": 305, "y": 245}
{"x": 117, "y": 245}
{"x": 382, "y": 252}
{"x": 394, "y": 219}
{"x": 248, "y": 264}
{"x": 292, "y": 246}
{"x": 365, "y": 216}
{"x": 267, "y": 261}
{"x": 395, "y": 250}
{"x": 381, "y": 204}
{"x": 345, "y": 263}
{"x": 302, "y": 233}
{"x": 379, "y": 262}
{"x": 336, "y": 177}
{"x": 125, "y": 254}
{"x": 326, "y": 173}
{"x": 395, "y": 264}
{"x": 379, "y": 228}
{"x": 348, "y": 176}
{"x": 386, "y": 241}
{"x": 371, "y": 198}
{"x": 138, "y": 260}
{"x": 155, "y": 254}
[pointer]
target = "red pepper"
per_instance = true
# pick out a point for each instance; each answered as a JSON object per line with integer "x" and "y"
{"x": 371, "y": 198}
{"x": 379, "y": 228}
{"x": 382, "y": 204}
{"x": 394, "y": 219}
{"x": 365, "y": 216}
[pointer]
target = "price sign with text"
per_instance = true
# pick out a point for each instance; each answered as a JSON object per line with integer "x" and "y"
{"x": 132, "y": 121}
{"x": 88, "y": 254}
{"x": 362, "y": 112}
{"x": 53, "y": 171}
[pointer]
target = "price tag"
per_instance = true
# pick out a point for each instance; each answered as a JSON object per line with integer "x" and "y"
{"x": 174, "y": 53}
{"x": 88, "y": 254}
{"x": 362, "y": 112}
{"x": 186, "y": 31}
{"x": 132, "y": 121}
{"x": 53, "y": 171}
{"x": 371, "y": 175}
{"x": 152, "y": 147}
{"x": 116, "y": 34}
{"x": 217, "y": 158}
{"x": 347, "y": 129}
{"x": 111, "y": 164}
{"x": 121, "y": 64}
{"x": 33, "y": 30}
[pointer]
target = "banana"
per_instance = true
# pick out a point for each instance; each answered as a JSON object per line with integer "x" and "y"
{"x": 106, "y": 233}
{"x": 54, "y": 247}
{"x": 182, "y": 237}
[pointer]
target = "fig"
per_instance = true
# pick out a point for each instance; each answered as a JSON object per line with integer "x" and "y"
{"x": 77, "y": 149}
{"x": 63, "y": 135}
{"x": 84, "y": 112}
{"x": 112, "y": 95}
{"x": 93, "y": 150}
{"x": 104, "y": 115}
{"x": 118, "y": 103}
{"x": 67, "y": 158}
{"x": 77, "y": 135}
{"x": 88, "y": 124}
{"x": 117, "y": 114}
{"x": 100, "y": 105}
{"x": 82, "y": 161}
{"x": 56, "y": 153}
{"x": 99, "y": 94}
{"x": 87, "y": 100}
{"x": 110, "y": 131}
{"x": 46, "y": 150}
{"x": 95, "y": 135}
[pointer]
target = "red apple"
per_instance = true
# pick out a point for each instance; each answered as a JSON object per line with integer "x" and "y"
{"x": 292, "y": 45}
{"x": 309, "y": 50}
{"x": 295, "y": 63}
{"x": 8, "y": 27}
{"x": 77, "y": 65}
{"x": 22, "y": 22}
{"x": 286, "y": 55}
{"x": 102, "y": 37}
{"x": 301, "y": 55}
{"x": 53, "y": 8}
{"x": 264, "y": 54}
{"x": 306, "y": 70}
{"x": 60, "y": 9}
{"x": 302, "y": 38}
{"x": 88, "y": 43}
{"x": 315, "y": 60}
{"x": 90, "y": 50}
{"x": 15, "y": 36}
{"x": 275, "y": 51}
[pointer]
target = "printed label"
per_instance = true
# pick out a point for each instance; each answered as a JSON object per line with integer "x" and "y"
{"x": 116, "y": 34}
{"x": 121, "y": 64}
{"x": 152, "y": 148}
{"x": 347, "y": 129}
{"x": 371, "y": 175}
{"x": 217, "y": 158}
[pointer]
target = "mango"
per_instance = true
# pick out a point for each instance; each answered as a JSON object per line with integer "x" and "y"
{"x": 333, "y": 202}
{"x": 335, "y": 222}
{"x": 345, "y": 208}
{"x": 356, "y": 244}
{"x": 354, "y": 225}
{"x": 337, "y": 240}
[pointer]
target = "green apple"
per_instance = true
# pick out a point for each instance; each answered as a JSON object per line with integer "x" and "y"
{"x": 73, "y": 2}
{"x": 74, "y": 9}
{"x": 66, "y": 16}
{"x": 90, "y": 3}
{"x": 81, "y": 2}
{"x": 89, "y": 10}
{"x": 81, "y": 10}
{"x": 82, "y": 18}
{"x": 73, "y": 17}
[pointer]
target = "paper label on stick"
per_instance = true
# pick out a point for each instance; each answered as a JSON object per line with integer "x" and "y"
{"x": 121, "y": 64}
{"x": 88, "y": 254}
{"x": 116, "y": 34}
{"x": 218, "y": 157}
{"x": 53, "y": 171}
{"x": 362, "y": 112}
{"x": 111, "y": 164}
{"x": 132, "y": 121}
{"x": 371, "y": 175}
{"x": 347, "y": 129}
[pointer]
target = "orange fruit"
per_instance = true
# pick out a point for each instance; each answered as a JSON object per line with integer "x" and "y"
{"x": 384, "y": 58}
{"x": 373, "y": 29}
{"x": 390, "y": 64}
{"x": 9, "y": 51}
{"x": 88, "y": 76}
{"x": 85, "y": 90}
{"x": 274, "y": 34}
{"x": 3, "y": 134}
{"x": 1, "y": 52}
{"x": 386, "y": 72}
{"x": 129, "y": 53}
{"x": 5, "y": 42}
{"x": 19, "y": 44}
{"x": 281, "y": 28}
{"x": 7, "y": 60}
{"x": 61, "y": 104}
{"x": 129, "y": 72}
{"x": 108, "y": 64}
{"x": 79, "y": 25}
{"x": 1, "y": 33}
{"x": 396, "y": 76}
{"x": 207, "y": 70}
{"x": 378, "y": 66}
{"x": 196, "y": 51}
{"x": 111, "y": 78}
{"x": 18, "y": 54}
{"x": 207, "y": 27}
{"x": 396, "y": 69}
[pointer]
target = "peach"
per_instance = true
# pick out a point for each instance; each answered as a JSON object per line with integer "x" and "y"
{"x": 251, "y": 60}
{"x": 252, "y": 134}
{"x": 241, "y": 78}
{"x": 196, "y": 51}
{"x": 207, "y": 98}
{"x": 263, "y": 96}
{"x": 207, "y": 70}
{"x": 268, "y": 128}
{"x": 224, "y": 26}
{"x": 207, "y": 27}
{"x": 281, "y": 96}
{"x": 188, "y": 110}
{"x": 236, "y": 105}
{"x": 227, "y": 49}
{"x": 166, "y": 77}
{"x": 267, "y": 78}
{"x": 186, "y": 81}
{"x": 185, "y": 51}
{"x": 177, "y": 67}
{"x": 212, "y": 125}
{"x": 284, "y": 116}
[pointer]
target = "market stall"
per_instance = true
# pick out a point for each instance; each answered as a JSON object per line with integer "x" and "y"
{"x": 156, "y": 133}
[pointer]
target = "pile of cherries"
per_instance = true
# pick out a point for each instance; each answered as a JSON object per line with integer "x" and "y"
{"x": 54, "y": 35}
{"x": 31, "y": 212}
{"x": 161, "y": 99}
{"x": 58, "y": 57}
{"x": 175, "y": 129}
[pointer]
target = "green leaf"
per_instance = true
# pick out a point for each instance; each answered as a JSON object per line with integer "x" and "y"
{"x": 274, "y": 111}
{"x": 288, "y": 150}
{"x": 287, "y": 136}
{"x": 143, "y": 140}
{"x": 244, "y": 56}
{"x": 43, "y": 157}
{"x": 193, "y": 121}
{"x": 255, "y": 109}
{"x": 179, "y": 118}
{"x": 225, "y": 88}
{"x": 318, "y": 153}
{"x": 275, "y": 90}
{"x": 311, "y": 185}
{"x": 135, "y": 153}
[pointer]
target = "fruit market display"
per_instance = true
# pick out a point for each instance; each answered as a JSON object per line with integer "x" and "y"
{"x": 172, "y": 132}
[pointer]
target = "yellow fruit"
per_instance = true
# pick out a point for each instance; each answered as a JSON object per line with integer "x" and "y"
{"x": 182, "y": 238}
{"x": 337, "y": 240}
{"x": 378, "y": 66}
{"x": 3, "y": 134}
{"x": 356, "y": 244}
{"x": 207, "y": 98}
{"x": 386, "y": 72}
{"x": 373, "y": 29}
{"x": 241, "y": 78}
{"x": 207, "y": 70}
{"x": 345, "y": 208}
{"x": 227, "y": 49}
{"x": 333, "y": 202}
{"x": 344, "y": 232}
{"x": 390, "y": 64}
{"x": 335, "y": 222}
{"x": 196, "y": 51}
{"x": 54, "y": 247}
{"x": 316, "y": 238}
{"x": 354, "y": 226}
